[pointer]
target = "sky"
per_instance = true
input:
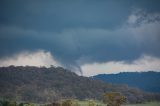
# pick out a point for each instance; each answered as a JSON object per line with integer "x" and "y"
{"x": 88, "y": 37}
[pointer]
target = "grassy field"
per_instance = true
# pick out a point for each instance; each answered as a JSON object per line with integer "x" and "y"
{"x": 97, "y": 103}
{"x": 79, "y": 103}
{"x": 87, "y": 102}
{"x": 146, "y": 104}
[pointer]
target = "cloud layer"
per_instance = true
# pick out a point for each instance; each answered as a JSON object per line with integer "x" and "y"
{"x": 42, "y": 58}
{"x": 127, "y": 42}
{"x": 37, "y": 58}
{"x": 144, "y": 63}
{"x": 77, "y": 33}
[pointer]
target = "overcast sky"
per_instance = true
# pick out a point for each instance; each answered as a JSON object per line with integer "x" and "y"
{"x": 86, "y": 36}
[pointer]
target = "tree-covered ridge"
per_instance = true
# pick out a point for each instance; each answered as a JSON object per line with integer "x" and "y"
{"x": 41, "y": 85}
{"x": 147, "y": 81}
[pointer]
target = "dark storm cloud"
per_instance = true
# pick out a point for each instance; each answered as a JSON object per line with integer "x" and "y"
{"x": 78, "y": 31}
{"x": 57, "y": 15}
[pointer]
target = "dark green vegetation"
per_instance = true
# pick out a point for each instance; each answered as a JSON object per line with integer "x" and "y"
{"x": 71, "y": 103}
{"x": 114, "y": 99}
{"x": 57, "y": 103}
{"x": 45, "y": 85}
{"x": 147, "y": 81}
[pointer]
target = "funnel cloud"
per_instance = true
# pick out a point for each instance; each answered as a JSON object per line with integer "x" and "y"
{"x": 81, "y": 35}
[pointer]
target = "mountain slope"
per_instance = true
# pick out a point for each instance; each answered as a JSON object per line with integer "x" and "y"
{"x": 148, "y": 81}
{"x": 42, "y": 85}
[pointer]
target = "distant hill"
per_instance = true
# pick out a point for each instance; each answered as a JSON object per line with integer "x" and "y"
{"x": 147, "y": 81}
{"x": 43, "y": 85}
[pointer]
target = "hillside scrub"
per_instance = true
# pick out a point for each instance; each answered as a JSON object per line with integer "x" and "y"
{"x": 45, "y": 85}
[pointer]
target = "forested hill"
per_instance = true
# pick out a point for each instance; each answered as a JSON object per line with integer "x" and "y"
{"x": 148, "y": 81}
{"x": 42, "y": 85}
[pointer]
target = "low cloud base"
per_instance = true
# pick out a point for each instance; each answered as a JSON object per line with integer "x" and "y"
{"x": 144, "y": 63}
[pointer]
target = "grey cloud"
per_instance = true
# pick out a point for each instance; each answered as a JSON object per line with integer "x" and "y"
{"x": 79, "y": 32}
{"x": 71, "y": 45}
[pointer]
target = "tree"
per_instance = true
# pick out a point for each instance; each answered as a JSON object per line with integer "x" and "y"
{"x": 7, "y": 103}
{"x": 67, "y": 103}
{"x": 54, "y": 104}
{"x": 114, "y": 99}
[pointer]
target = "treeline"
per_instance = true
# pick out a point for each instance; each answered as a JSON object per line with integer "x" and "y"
{"x": 58, "y": 103}
{"x": 109, "y": 99}
{"x": 44, "y": 85}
